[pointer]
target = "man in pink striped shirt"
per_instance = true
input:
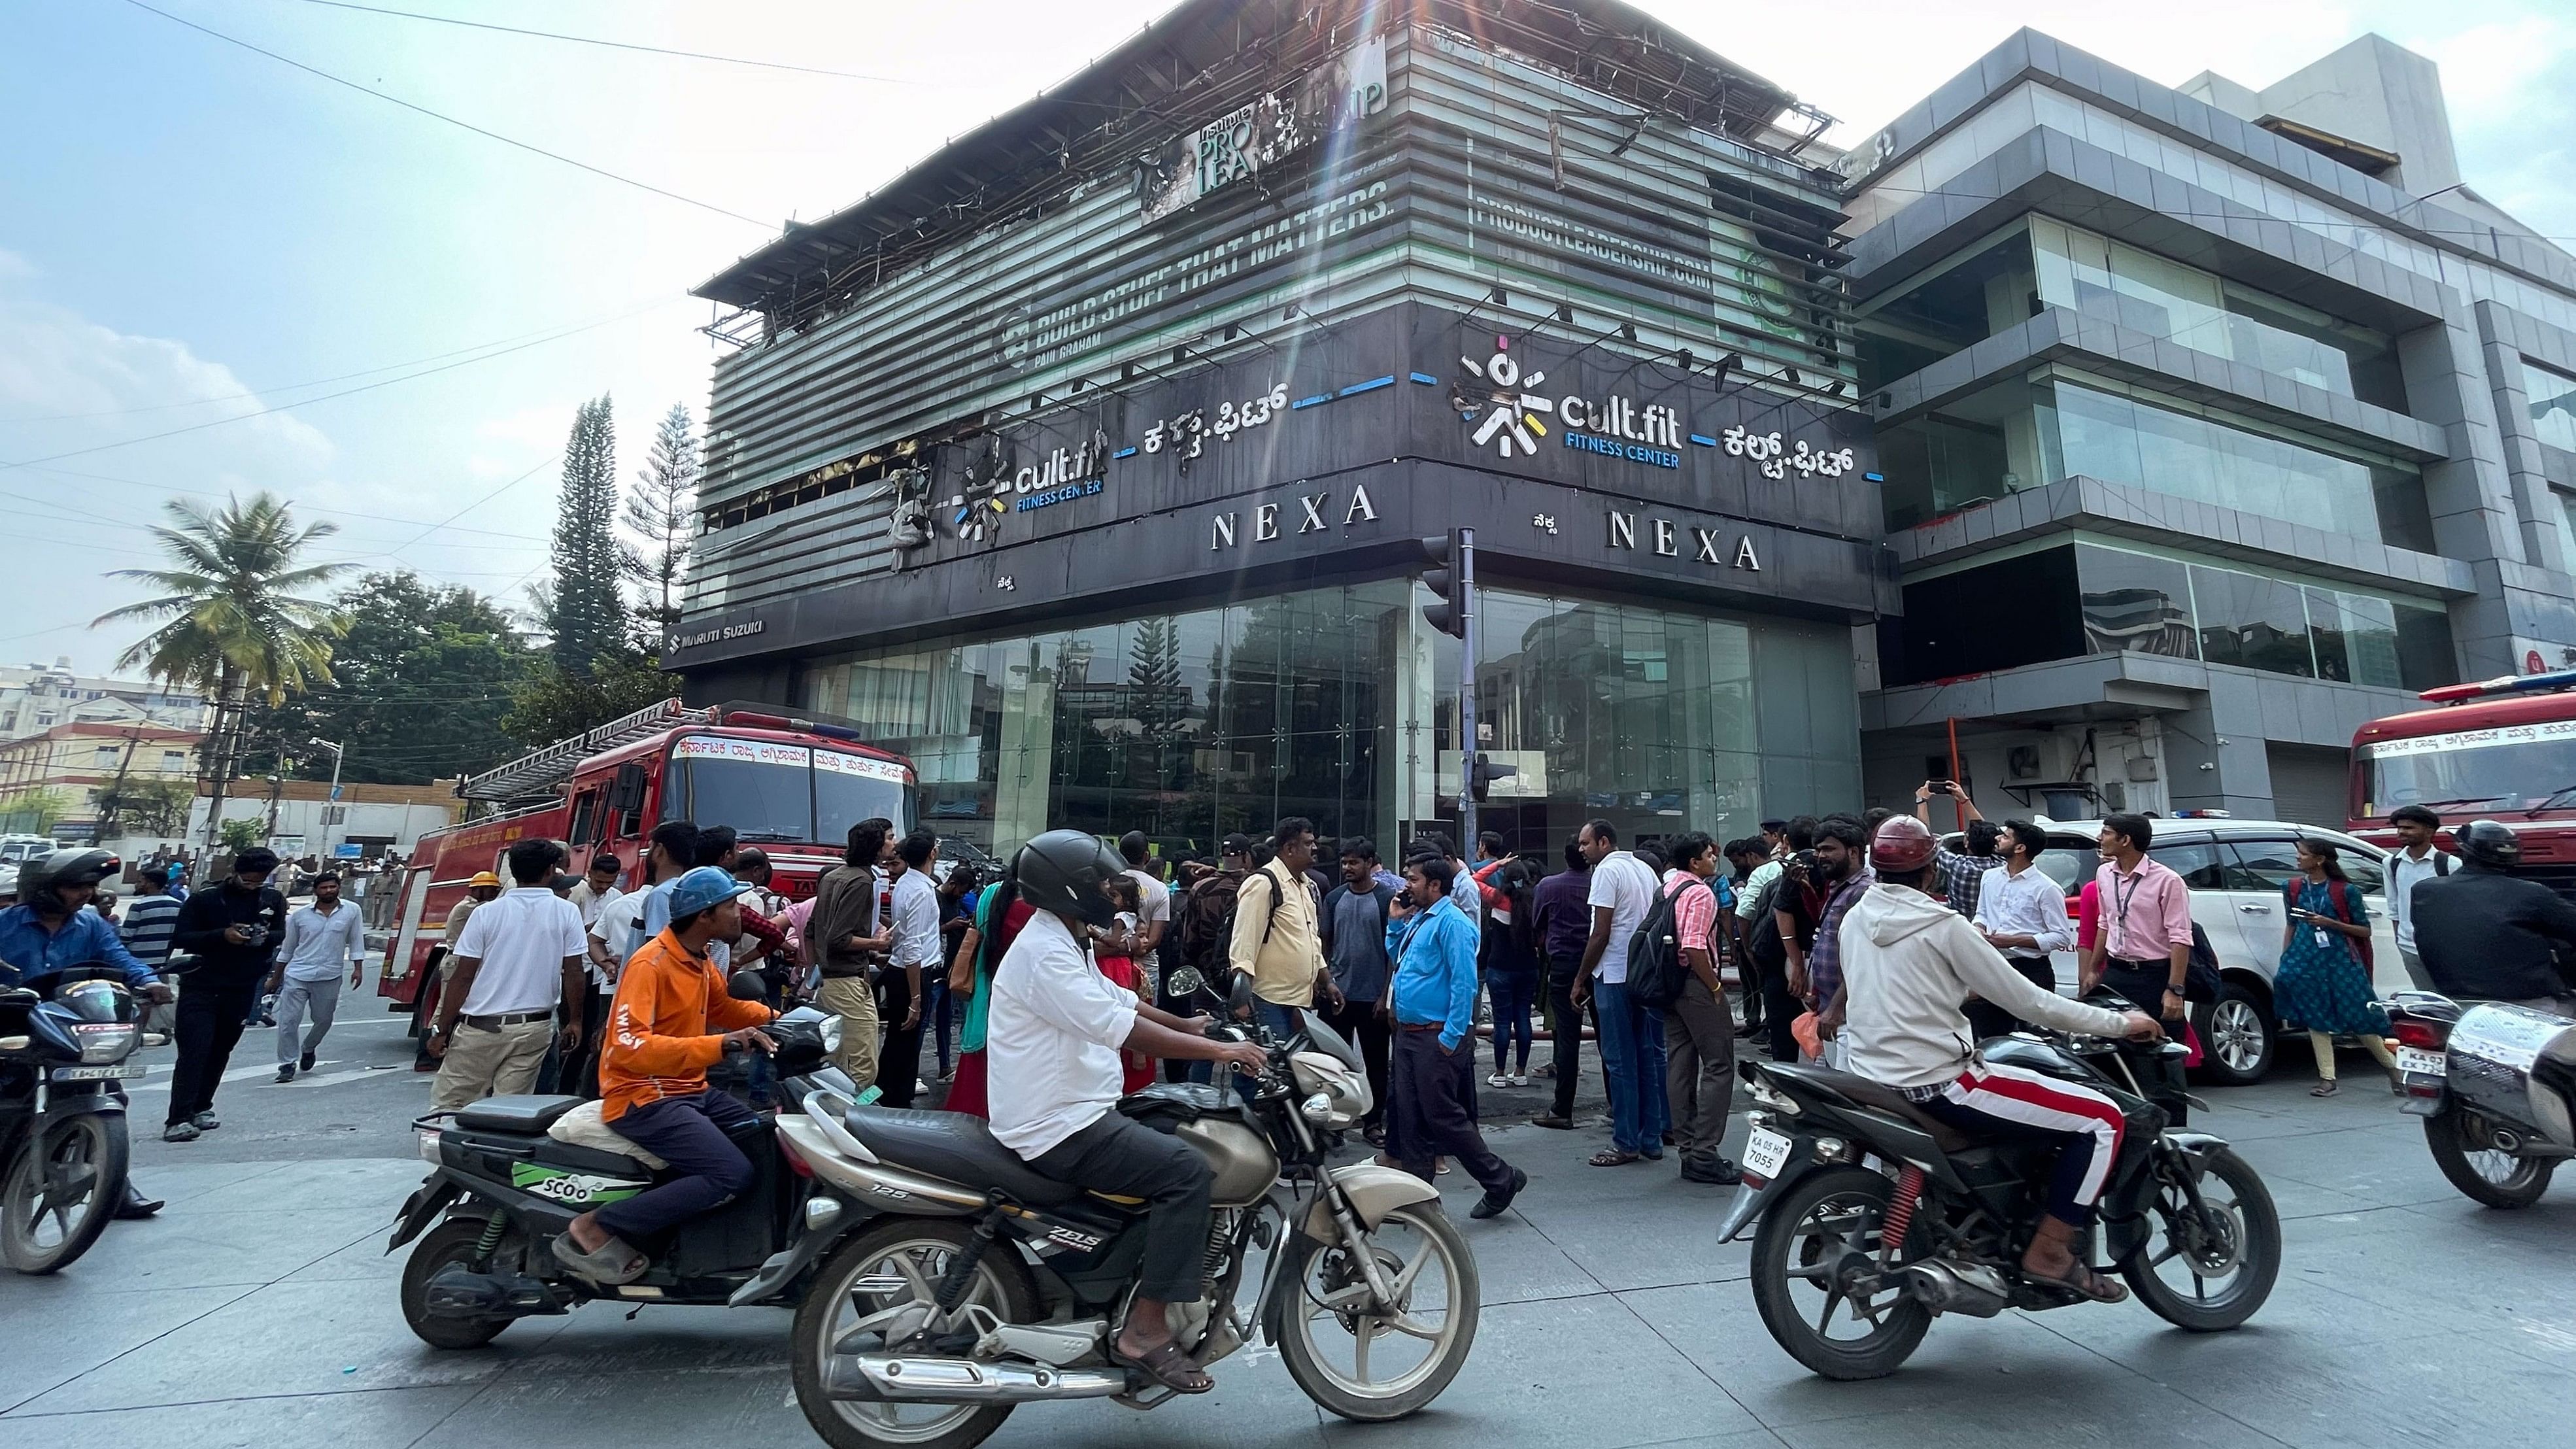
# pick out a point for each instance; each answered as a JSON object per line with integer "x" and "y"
{"x": 2144, "y": 947}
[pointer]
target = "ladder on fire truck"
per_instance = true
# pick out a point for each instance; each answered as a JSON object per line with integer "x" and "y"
{"x": 541, "y": 771}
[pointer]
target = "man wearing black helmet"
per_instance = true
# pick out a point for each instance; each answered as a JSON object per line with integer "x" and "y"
{"x": 1053, "y": 1034}
{"x": 48, "y": 931}
{"x": 2484, "y": 933}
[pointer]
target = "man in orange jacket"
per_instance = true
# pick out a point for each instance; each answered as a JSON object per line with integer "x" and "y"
{"x": 653, "y": 1078}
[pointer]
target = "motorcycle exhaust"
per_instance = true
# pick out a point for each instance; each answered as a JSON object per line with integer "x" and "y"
{"x": 2505, "y": 1139}
{"x": 1944, "y": 1287}
{"x": 895, "y": 1378}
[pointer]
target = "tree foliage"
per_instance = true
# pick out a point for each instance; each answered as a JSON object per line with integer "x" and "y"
{"x": 422, "y": 680}
{"x": 661, "y": 512}
{"x": 241, "y": 832}
{"x": 556, "y": 704}
{"x": 33, "y": 811}
{"x": 586, "y": 615}
{"x": 229, "y": 611}
{"x": 144, "y": 805}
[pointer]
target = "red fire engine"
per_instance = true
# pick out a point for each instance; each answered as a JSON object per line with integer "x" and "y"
{"x": 2502, "y": 749}
{"x": 792, "y": 786}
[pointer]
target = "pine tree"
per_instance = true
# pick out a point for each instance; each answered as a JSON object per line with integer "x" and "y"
{"x": 587, "y": 615}
{"x": 660, "y": 511}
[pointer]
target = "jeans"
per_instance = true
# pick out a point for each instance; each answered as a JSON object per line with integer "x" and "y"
{"x": 294, "y": 998}
{"x": 693, "y": 1135}
{"x": 1513, "y": 996}
{"x": 1361, "y": 1026}
{"x": 1280, "y": 1021}
{"x": 1121, "y": 1155}
{"x": 1632, "y": 1062}
{"x": 1567, "y": 1021}
{"x": 1434, "y": 1111}
{"x": 210, "y": 1025}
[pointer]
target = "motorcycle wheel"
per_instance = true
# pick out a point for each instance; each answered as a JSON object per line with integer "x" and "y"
{"x": 1437, "y": 1294}
{"x": 2238, "y": 1248}
{"x": 1825, "y": 1229}
{"x": 453, "y": 1241}
{"x": 62, "y": 1190}
{"x": 918, "y": 1252}
{"x": 2497, "y": 1179}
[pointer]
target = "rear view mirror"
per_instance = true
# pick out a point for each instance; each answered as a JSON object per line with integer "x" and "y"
{"x": 748, "y": 985}
{"x": 1238, "y": 998}
{"x": 626, "y": 789}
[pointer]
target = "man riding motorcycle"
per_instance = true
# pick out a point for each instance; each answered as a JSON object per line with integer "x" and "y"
{"x": 49, "y": 930}
{"x": 2482, "y": 932}
{"x": 653, "y": 1078}
{"x": 1053, "y": 1035}
{"x": 1908, "y": 962}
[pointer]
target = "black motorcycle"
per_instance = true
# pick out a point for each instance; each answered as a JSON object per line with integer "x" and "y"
{"x": 64, "y": 1040}
{"x": 1876, "y": 1216}
{"x": 500, "y": 1189}
{"x": 2494, "y": 1083}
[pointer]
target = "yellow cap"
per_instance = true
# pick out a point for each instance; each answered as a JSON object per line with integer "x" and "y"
{"x": 484, "y": 878}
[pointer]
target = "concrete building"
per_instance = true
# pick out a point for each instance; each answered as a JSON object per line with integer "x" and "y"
{"x": 36, "y": 697}
{"x": 2215, "y": 422}
{"x": 77, "y": 761}
{"x": 1087, "y": 461}
{"x": 375, "y": 818}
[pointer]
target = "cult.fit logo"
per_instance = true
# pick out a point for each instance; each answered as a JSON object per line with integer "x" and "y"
{"x": 1510, "y": 412}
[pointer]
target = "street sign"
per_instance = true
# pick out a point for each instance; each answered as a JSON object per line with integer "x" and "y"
{"x": 348, "y": 850}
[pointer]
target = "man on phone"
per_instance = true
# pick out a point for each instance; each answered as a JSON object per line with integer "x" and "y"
{"x": 232, "y": 930}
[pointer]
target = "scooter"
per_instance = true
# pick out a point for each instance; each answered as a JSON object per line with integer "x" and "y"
{"x": 64, "y": 1042}
{"x": 2494, "y": 1083}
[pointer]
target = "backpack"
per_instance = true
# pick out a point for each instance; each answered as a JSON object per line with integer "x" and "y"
{"x": 1762, "y": 938}
{"x": 2340, "y": 893}
{"x": 1656, "y": 971}
{"x": 1207, "y": 924}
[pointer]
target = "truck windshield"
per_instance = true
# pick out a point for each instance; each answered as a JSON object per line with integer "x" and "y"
{"x": 782, "y": 792}
{"x": 2511, "y": 767}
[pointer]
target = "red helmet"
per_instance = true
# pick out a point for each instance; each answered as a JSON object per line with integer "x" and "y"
{"x": 1902, "y": 846}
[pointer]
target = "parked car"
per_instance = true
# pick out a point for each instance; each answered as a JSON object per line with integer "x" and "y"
{"x": 2237, "y": 870}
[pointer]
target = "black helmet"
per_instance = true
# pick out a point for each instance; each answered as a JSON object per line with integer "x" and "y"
{"x": 2489, "y": 843}
{"x": 38, "y": 877}
{"x": 1063, "y": 871}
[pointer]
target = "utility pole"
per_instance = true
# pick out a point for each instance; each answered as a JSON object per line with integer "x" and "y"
{"x": 1467, "y": 743}
{"x": 116, "y": 792}
{"x": 332, "y": 814}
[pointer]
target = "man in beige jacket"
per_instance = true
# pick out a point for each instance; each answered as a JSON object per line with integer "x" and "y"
{"x": 1276, "y": 942}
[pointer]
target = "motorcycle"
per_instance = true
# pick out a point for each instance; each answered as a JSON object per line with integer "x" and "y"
{"x": 1869, "y": 1205}
{"x": 500, "y": 1189}
{"x": 64, "y": 1041}
{"x": 952, "y": 1283}
{"x": 2494, "y": 1083}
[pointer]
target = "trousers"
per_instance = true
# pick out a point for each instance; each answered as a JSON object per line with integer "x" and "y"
{"x": 693, "y": 1134}
{"x": 1699, "y": 1043}
{"x": 1987, "y": 1019}
{"x": 294, "y": 999}
{"x": 1433, "y": 1113}
{"x": 1780, "y": 1010}
{"x": 1513, "y": 995}
{"x": 501, "y": 1062}
{"x": 1121, "y": 1155}
{"x": 1991, "y": 1100}
{"x": 1632, "y": 1064}
{"x": 1567, "y": 1033}
{"x": 1360, "y": 1024}
{"x": 854, "y": 1000}
{"x": 899, "y": 1063}
{"x": 209, "y": 1027}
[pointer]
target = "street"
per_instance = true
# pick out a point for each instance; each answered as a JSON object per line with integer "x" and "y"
{"x": 259, "y": 1310}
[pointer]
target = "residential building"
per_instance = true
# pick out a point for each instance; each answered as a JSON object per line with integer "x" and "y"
{"x": 300, "y": 819}
{"x": 36, "y": 697}
{"x": 2215, "y": 421}
{"x": 77, "y": 761}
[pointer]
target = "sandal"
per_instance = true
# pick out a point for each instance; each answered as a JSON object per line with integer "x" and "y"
{"x": 610, "y": 1264}
{"x": 1611, "y": 1157}
{"x": 2083, "y": 1282}
{"x": 2325, "y": 1088}
{"x": 1166, "y": 1365}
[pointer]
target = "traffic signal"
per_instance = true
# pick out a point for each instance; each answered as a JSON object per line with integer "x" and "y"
{"x": 1449, "y": 614}
{"x": 1482, "y": 773}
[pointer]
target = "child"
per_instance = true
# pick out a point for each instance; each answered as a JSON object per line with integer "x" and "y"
{"x": 1114, "y": 951}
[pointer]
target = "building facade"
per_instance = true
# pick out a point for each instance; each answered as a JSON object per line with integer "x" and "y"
{"x": 36, "y": 697}
{"x": 2214, "y": 421}
{"x": 63, "y": 771}
{"x": 1088, "y": 462}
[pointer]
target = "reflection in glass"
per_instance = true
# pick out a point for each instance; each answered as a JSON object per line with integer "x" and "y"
{"x": 2259, "y": 623}
{"x": 2552, "y": 399}
{"x": 2131, "y": 601}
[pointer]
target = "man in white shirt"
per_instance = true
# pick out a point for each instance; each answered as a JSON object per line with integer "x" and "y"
{"x": 594, "y": 897}
{"x": 320, "y": 939}
{"x": 915, "y": 923}
{"x": 519, "y": 959}
{"x": 1632, "y": 1037}
{"x": 2417, "y": 860}
{"x": 1053, "y": 1036}
{"x": 2021, "y": 911}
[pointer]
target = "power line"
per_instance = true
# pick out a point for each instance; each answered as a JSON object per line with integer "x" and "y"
{"x": 209, "y": 493}
{"x": 618, "y": 44}
{"x": 453, "y": 121}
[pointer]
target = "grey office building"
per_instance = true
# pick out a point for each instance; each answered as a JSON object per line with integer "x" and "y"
{"x": 2215, "y": 422}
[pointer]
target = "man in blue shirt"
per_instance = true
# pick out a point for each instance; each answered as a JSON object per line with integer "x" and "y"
{"x": 1432, "y": 1080}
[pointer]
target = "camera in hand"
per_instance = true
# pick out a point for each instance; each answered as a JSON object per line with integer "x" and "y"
{"x": 254, "y": 933}
{"x": 1804, "y": 860}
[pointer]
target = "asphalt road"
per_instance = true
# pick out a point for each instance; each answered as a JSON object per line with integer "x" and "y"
{"x": 259, "y": 1311}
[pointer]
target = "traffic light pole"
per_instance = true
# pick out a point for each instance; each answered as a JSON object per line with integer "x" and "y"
{"x": 1467, "y": 742}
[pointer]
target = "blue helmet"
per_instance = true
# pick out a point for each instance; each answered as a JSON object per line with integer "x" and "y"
{"x": 708, "y": 885}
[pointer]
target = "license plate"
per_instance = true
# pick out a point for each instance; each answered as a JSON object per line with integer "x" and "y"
{"x": 1765, "y": 1153}
{"x": 2415, "y": 1061}
{"x": 117, "y": 1072}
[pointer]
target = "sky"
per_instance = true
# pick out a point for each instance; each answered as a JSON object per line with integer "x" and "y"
{"x": 219, "y": 273}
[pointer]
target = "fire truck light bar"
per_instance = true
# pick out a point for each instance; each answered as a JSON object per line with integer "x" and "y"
{"x": 2504, "y": 684}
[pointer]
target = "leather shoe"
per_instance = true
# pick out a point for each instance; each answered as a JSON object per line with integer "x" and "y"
{"x": 136, "y": 1206}
{"x": 1490, "y": 1206}
{"x": 1721, "y": 1172}
{"x": 1561, "y": 1124}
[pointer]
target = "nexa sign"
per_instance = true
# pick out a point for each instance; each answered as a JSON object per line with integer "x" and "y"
{"x": 1304, "y": 513}
{"x": 1643, "y": 533}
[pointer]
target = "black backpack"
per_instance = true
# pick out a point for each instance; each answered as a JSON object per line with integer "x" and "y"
{"x": 1762, "y": 939}
{"x": 1656, "y": 971}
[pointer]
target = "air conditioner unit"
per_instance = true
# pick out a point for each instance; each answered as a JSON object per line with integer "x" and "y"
{"x": 2021, "y": 762}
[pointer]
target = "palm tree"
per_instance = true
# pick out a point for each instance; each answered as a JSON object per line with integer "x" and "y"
{"x": 231, "y": 622}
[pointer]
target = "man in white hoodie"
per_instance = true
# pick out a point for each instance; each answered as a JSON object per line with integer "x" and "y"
{"x": 1908, "y": 962}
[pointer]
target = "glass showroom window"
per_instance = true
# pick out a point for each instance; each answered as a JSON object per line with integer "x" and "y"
{"x": 2552, "y": 397}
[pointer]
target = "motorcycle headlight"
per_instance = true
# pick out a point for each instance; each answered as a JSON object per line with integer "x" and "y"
{"x": 106, "y": 1041}
{"x": 1319, "y": 1110}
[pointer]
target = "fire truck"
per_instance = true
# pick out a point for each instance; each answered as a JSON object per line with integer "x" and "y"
{"x": 791, "y": 785}
{"x": 2503, "y": 749}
